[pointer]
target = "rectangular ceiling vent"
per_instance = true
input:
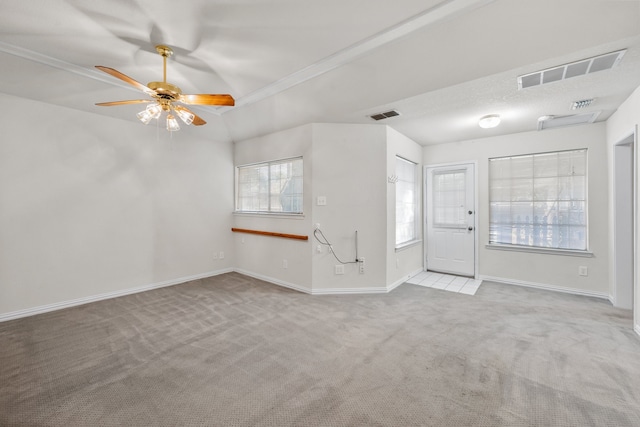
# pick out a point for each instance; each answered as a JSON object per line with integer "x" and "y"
{"x": 385, "y": 115}
{"x": 583, "y": 103}
{"x": 551, "y": 122}
{"x": 574, "y": 69}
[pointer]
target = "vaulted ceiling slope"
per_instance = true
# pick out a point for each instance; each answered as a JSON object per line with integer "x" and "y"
{"x": 441, "y": 64}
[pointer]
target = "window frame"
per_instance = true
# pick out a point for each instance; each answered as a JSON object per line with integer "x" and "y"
{"x": 269, "y": 164}
{"x": 416, "y": 204}
{"x": 531, "y": 247}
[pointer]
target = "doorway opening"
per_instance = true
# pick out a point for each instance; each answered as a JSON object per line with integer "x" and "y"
{"x": 623, "y": 223}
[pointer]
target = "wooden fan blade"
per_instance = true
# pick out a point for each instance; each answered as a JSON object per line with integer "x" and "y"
{"x": 207, "y": 99}
{"x": 117, "y": 74}
{"x": 133, "y": 101}
{"x": 197, "y": 120}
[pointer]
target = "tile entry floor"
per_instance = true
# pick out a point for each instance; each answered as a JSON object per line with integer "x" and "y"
{"x": 447, "y": 282}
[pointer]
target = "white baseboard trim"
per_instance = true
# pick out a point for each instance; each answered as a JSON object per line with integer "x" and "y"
{"x": 555, "y": 288}
{"x": 108, "y": 295}
{"x": 272, "y": 280}
{"x": 330, "y": 291}
{"x": 350, "y": 291}
{"x": 404, "y": 279}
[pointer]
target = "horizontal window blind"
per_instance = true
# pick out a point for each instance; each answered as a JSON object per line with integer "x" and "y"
{"x": 539, "y": 200}
{"x": 270, "y": 187}
{"x": 406, "y": 201}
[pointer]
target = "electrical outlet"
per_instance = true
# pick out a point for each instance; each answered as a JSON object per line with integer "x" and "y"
{"x": 339, "y": 269}
{"x": 361, "y": 264}
{"x": 583, "y": 270}
{"x": 321, "y": 201}
{"x": 319, "y": 249}
{"x": 285, "y": 263}
{"x": 221, "y": 255}
{"x": 317, "y": 226}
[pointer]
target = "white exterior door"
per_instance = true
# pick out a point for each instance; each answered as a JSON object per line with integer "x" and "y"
{"x": 450, "y": 219}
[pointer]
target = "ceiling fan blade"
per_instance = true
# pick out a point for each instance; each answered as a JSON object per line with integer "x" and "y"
{"x": 197, "y": 120}
{"x": 207, "y": 99}
{"x": 133, "y": 101}
{"x": 117, "y": 74}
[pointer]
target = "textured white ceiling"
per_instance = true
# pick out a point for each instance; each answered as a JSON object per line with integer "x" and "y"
{"x": 442, "y": 64}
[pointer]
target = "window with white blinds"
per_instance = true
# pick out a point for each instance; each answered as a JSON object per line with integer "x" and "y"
{"x": 270, "y": 187}
{"x": 539, "y": 200}
{"x": 406, "y": 202}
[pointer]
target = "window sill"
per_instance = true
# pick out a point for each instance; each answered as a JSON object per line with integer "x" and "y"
{"x": 538, "y": 250}
{"x": 278, "y": 215}
{"x": 408, "y": 245}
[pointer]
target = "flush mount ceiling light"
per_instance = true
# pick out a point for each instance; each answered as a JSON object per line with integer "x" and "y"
{"x": 490, "y": 121}
{"x": 166, "y": 96}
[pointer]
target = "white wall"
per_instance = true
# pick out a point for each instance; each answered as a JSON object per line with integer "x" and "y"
{"x": 93, "y": 206}
{"x": 348, "y": 165}
{"x": 621, "y": 125}
{"x": 550, "y": 271}
{"x": 262, "y": 256}
{"x": 349, "y": 168}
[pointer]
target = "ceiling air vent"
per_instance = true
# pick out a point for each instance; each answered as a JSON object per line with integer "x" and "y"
{"x": 574, "y": 69}
{"x": 583, "y": 103}
{"x": 385, "y": 115}
{"x": 550, "y": 122}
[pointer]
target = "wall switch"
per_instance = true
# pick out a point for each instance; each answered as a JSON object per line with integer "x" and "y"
{"x": 285, "y": 263}
{"x": 583, "y": 270}
{"x": 221, "y": 255}
{"x": 361, "y": 264}
{"x": 339, "y": 269}
{"x": 317, "y": 226}
{"x": 319, "y": 249}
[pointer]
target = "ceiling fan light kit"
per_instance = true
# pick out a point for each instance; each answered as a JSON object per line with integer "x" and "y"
{"x": 166, "y": 96}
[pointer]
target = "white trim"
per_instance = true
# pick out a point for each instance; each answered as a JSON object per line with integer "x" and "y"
{"x": 273, "y": 281}
{"x": 555, "y": 288}
{"x": 404, "y": 279}
{"x": 108, "y": 295}
{"x": 331, "y": 291}
{"x": 538, "y": 250}
{"x": 350, "y": 291}
{"x": 636, "y": 328}
{"x": 445, "y": 10}
{"x": 406, "y": 245}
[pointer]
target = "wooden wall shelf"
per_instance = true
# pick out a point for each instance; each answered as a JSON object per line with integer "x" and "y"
{"x": 269, "y": 233}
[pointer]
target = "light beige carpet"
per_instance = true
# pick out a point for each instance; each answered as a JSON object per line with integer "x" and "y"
{"x": 235, "y": 351}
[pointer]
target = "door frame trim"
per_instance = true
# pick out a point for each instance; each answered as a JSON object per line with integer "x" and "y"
{"x": 476, "y": 272}
{"x": 620, "y": 232}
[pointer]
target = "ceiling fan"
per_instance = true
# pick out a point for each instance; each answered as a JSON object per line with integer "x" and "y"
{"x": 165, "y": 97}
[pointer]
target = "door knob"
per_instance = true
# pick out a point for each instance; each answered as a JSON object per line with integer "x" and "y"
{"x": 470, "y": 228}
{"x": 470, "y": 212}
